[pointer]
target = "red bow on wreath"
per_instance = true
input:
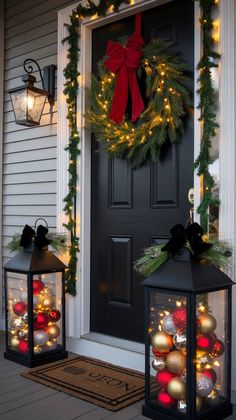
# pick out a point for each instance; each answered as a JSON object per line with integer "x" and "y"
{"x": 124, "y": 61}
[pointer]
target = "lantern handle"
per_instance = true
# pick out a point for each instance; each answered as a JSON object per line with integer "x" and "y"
{"x": 29, "y": 69}
{"x": 40, "y": 218}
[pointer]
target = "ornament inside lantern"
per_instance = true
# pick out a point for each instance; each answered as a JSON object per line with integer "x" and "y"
{"x": 35, "y": 306}
{"x": 188, "y": 312}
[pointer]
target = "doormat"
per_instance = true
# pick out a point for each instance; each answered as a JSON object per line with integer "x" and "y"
{"x": 106, "y": 385}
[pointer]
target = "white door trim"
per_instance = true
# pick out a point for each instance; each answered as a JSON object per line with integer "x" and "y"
{"x": 2, "y": 321}
{"x": 79, "y": 307}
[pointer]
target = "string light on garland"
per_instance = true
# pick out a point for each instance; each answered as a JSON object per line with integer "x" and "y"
{"x": 207, "y": 106}
{"x": 208, "y": 113}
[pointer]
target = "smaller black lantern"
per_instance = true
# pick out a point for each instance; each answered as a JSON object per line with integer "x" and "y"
{"x": 188, "y": 341}
{"x": 35, "y": 303}
{"x": 28, "y": 100}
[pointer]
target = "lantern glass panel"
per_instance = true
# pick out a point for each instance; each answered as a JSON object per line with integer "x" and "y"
{"x": 47, "y": 307}
{"x": 28, "y": 105}
{"x": 167, "y": 333}
{"x": 212, "y": 348}
{"x": 17, "y": 317}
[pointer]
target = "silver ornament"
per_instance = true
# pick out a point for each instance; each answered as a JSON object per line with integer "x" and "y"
{"x": 25, "y": 317}
{"x": 182, "y": 406}
{"x": 17, "y": 324}
{"x": 158, "y": 364}
{"x": 204, "y": 385}
{"x": 40, "y": 337}
{"x": 168, "y": 324}
{"x": 180, "y": 341}
{"x": 184, "y": 376}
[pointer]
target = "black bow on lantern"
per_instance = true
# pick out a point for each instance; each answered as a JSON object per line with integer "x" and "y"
{"x": 193, "y": 234}
{"x": 40, "y": 239}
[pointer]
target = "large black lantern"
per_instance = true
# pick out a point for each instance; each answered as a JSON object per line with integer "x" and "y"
{"x": 35, "y": 306}
{"x": 28, "y": 100}
{"x": 188, "y": 341}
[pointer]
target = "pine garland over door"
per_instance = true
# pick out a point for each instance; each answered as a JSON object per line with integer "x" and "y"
{"x": 206, "y": 105}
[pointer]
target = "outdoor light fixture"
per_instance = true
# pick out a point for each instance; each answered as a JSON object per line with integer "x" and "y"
{"x": 27, "y": 100}
{"x": 188, "y": 341}
{"x": 35, "y": 304}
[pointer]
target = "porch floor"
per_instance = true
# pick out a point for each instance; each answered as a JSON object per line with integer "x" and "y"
{"x": 21, "y": 398}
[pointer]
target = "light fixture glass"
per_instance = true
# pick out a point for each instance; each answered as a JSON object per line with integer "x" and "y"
{"x": 28, "y": 101}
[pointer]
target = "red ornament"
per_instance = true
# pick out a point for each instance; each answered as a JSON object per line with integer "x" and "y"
{"x": 55, "y": 315}
{"x": 38, "y": 285}
{"x": 218, "y": 348}
{"x": 164, "y": 377}
{"x": 205, "y": 343}
{"x": 41, "y": 320}
{"x": 23, "y": 346}
{"x": 19, "y": 308}
{"x": 180, "y": 318}
{"x": 164, "y": 399}
{"x": 211, "y": 374}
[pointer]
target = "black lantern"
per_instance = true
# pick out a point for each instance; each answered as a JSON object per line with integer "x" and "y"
{"x": 28, "y": 101}
{"x": 35, "y": 306}
{"x": 188, "y": 341}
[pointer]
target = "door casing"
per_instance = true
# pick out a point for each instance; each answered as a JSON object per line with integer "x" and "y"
{"x": 79, "y": 307}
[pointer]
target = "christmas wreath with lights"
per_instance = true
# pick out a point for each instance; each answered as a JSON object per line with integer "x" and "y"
{"x": 167, "y": 93}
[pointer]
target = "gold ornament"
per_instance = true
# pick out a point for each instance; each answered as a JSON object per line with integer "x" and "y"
{"x": 198, "y": 403}
{"x": 177, "y": 388}
{"x": 22, "y": 333}
{"x": 213, "y": 398}
{"x": 46, "y": 291}
{"x": 48, "y": 302}
{"x": 176, "y": 362}
{"x": 207, "y": 323}
{"x": 158, "y": 364}
{"x": 204, "y": 362}
{"x": 51, "y": 345}
{"x": 14, "y": 342}
{"x": 37, "y": 349}
{"x": 162, "y": 342}
{"x": 53, "y": 331}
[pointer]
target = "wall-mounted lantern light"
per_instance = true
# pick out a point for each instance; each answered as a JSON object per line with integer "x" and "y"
{"x": 28, "y": 101}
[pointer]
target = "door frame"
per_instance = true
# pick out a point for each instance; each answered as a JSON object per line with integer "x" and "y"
{"x": 78, "y": 313}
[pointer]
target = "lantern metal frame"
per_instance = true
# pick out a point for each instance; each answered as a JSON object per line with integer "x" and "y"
{"x": 221, "y": 410}
{"x": 30, "y": 359}
{"x": 47, "y": 79}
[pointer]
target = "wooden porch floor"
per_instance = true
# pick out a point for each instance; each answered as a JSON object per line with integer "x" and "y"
{"x": 21, "y": 398}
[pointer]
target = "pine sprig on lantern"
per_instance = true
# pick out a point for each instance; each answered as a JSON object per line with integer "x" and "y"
{"x": 208, "y": 117}
{"x": 58, "y": 242}
{"x": 154, "y": 257}
{"x": 169, "y": 97}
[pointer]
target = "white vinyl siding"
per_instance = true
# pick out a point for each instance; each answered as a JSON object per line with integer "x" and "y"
{"x": 29, "y": 154}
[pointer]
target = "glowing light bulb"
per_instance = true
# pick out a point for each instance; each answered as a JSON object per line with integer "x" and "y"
{"x": 29, "y": 102}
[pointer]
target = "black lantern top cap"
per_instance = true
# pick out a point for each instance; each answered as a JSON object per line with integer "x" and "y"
{"x": 35, "y": 261}
{"x": 186, "y": 274}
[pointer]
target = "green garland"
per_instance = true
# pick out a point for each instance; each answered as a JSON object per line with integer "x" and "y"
{"x": 169, "y": 97}
{"x": 208, "y": 115}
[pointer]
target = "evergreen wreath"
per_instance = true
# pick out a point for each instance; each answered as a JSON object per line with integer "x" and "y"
{"x": 207, "y": 98}
{"x": 168, "y": 100}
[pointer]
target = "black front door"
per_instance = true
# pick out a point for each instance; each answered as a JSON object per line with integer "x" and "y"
{"x": 133, "y": 208}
